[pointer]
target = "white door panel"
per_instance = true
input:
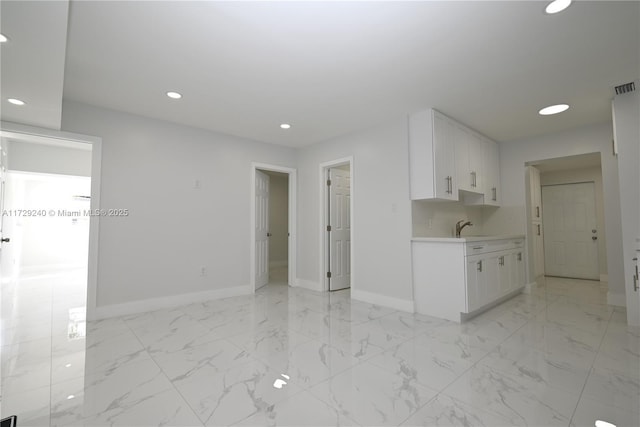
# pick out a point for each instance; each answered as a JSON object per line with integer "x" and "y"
{"x": 340, "y": 234}
{"x": 262, "y": 229}
{"x": 570, "y": 233}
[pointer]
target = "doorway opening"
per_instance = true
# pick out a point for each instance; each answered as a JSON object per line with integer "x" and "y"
{"x": 336, "y": 226}
{"x": 48, "y": 237}
{"x": 565, "y": 214}
{"x": 273, "y": 224}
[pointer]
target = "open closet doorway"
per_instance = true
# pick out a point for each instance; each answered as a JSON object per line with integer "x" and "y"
{"x": 272, "y": 225}
{"x": 337, "y": 203}
{"x": 566, "y": 217}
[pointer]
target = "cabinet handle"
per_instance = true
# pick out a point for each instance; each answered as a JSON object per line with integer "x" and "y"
{"x": 473, "y": 179}
{"x": 501, "y": 261}
{"x": 538, "y": 229}
{"x": 495, "y": 194}
{"x": 519, "y": 256}
{"x": 479, "y": 266}
{"x": 478, "y": 247}
{"x": 450, "y": 185}
{"x": 537, "y": 211}
{"x": 448, "y": 180}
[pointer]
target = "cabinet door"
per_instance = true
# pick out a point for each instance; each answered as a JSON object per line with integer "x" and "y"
{"x": 505, "y": 264}
{"x": 491, "y": 176}
{"x": 536, "y": 194}
{"x": 518, "y": 277}
{"x": 445, "y": 181}
{"x": 492, "y": 272}
{"x": 463, "y": 173}
{"x": 476, "y": 283}
{"x": 476, "y": 163}
{"x": 538, "y": 248}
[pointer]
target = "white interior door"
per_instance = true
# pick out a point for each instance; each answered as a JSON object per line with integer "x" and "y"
{"x": 570, "y": 232}
{"x": 339, "y": 229}
{"x": 262, "y": 229}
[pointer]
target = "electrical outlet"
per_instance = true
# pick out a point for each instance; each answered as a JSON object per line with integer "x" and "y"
{"x": 203, "y": 271}
{"x": 196, "y": 184}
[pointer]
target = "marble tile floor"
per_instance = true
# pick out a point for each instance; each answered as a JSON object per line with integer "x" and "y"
{"x": 556, "y": 355}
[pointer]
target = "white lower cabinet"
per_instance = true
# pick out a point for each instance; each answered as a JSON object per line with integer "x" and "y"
{"x": 455, "y": 278}
{"x": 476, "y": 282}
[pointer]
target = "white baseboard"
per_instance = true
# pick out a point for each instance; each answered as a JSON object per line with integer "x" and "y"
{"x": 529, "y": 286}
{"x": 619, "y": 300}
{"x": 383, "y": 300}
{"x": 142, "y": 306}
{"x": 604, "y": 278}
{"x": 309, "y": 284}
{"x": 275, "y": 264}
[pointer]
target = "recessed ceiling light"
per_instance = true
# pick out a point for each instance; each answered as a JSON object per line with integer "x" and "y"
{"x": 3, "y": 38}
{"x": 557, "y": 6}
{"x": 553, "y": 109}
{"x": 285, "y": 126}
{"x": 15, "y": 101}
{"x": 71, "y": 396}
{"x": 174, "y": 95}
{"x": 600, "y": 423}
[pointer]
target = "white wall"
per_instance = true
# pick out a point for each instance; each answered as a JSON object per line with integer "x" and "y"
{"x": 41, "y": 158}
{"x": 438, "y": 219}
{"x": 382, "y": 211}
{"x": 627, "y": 110}
{"x": 278, "y": 218}
{"x": 174, "y": 229}
{"x": 592, "y": 174}
{"x": 511, "y": 217}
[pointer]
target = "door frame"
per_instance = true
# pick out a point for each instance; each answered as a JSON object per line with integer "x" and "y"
{"x": 292, "y": 249}
{"x": 324, "y": 243}
{"x": 33, "y": 134}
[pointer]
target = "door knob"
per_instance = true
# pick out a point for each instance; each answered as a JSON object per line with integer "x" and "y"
{"x": 6, "y": 240}
{"x": 268, "y": 234}
{"x": 594, "y": 237}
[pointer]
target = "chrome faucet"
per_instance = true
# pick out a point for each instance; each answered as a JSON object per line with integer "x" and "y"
{"x": 460, "y": 227}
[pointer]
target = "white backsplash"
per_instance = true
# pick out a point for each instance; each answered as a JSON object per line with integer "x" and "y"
{"x": 438, "y": 219}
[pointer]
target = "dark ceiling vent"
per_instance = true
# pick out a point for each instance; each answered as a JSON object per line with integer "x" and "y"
{"x": 625, "y": 88}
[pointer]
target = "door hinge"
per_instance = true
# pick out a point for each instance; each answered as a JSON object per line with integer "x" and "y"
{"x": 328, "y": 183}
{"x": 328, "y": 275}
{"x": 328, "y": 228}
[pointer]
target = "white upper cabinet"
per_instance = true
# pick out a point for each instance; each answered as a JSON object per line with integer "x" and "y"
{"x": 446, "y": 156}
{"x": 463, "y": 174}
{"x": 469, "y": 161}
{"x": 536, "y": 194}
{"x": 491, "y": 178}
{"x": 432, "y": 165}
{"x": 476, "y": 163}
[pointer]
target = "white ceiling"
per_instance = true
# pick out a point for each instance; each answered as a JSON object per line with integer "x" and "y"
{"x": 331, "y": 68}
{"x": 33, "y": 61}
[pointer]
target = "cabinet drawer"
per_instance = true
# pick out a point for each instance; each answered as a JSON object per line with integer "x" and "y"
{"x": 483, "y": 247}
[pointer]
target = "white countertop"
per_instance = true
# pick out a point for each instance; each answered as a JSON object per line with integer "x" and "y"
{"x": 464, "y": 239}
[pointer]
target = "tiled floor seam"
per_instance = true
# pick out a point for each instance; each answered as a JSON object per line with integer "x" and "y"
{"x": 586, "y": 380}
{"x": 164, "y": 373}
